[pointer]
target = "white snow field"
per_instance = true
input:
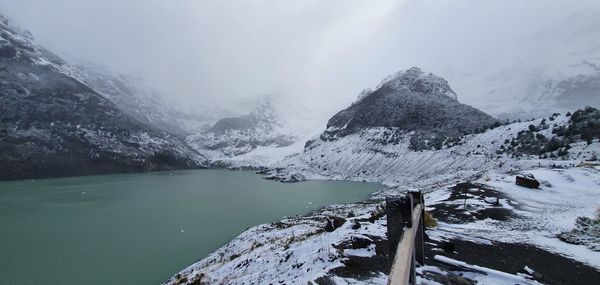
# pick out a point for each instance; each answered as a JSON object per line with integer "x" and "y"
{"x": 564, "y": 195}
{"x": 298, "y": 250}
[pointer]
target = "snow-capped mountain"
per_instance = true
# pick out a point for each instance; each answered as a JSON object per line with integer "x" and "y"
{"x": 555, "y": 69}
{"x": 52, "y": 124}
{"x": 137, "y": 98}
{"x": 373, "y": 140}
{"x": 254, "y": 139}
{"x": 411, "y": 131}
{"x": 410, "y": 101}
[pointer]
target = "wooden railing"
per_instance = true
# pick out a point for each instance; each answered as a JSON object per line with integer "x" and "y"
{"x": 405, "y": 226}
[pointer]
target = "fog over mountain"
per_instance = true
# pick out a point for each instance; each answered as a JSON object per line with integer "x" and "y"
{"x": 319, "y": 55}
{"x": 489, "y": 109}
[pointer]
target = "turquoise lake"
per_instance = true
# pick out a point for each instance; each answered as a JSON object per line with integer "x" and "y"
{"x": 141, "y": 228}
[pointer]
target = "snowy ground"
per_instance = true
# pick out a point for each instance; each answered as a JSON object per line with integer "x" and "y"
{"x": 493, "y": 211}
{"x": 433, "y": 275}
{"x": 295, "y": 250}
{"x": 301, "y": 250}
{"x": 261, "y": 156}
{"x": 541, "y": 214}
{"x": 367, "y": 156}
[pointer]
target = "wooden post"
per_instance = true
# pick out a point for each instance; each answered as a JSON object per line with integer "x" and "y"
{"x": 402, "y": 271}
{"x": 405, "y": 225}
{"x": 396, "y": 209}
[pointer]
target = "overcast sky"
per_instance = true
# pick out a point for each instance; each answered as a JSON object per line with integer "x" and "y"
{"x": 317, "y": 53}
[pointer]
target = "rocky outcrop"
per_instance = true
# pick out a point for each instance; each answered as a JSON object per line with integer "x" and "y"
{"x": 138, "y": 99}
{"x": 52, "y": 124}
{"x": 411, "y": 101}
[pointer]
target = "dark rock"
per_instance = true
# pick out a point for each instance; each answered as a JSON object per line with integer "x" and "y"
{"x": 360, "y": 242}
{"x": 527, "y": 180}
{"x": 447, "y": 246}
{"x": 8, "y": 51}
{"x": 308, "y": 143}
{"x": 333, "y": 223}
{"x": 454, "y": 279}
{"x": 534, "y": 274}
{"x": 293, "y": 178}
{"x": 447, "y": 279}
{"x": 325, "y": 280}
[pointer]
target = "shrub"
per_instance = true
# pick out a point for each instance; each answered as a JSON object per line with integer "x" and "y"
{"x": 563, "y": 152}
{"x": 586, "y": 232}
{"x": 430, "y": 221}
{"x": 532, "y": 128}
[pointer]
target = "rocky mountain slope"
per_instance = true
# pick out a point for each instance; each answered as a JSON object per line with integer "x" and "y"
{"x": 52, "y": 124}
{"x": 410, "y": 101}
{"x": 468, "y": 179}
{"x": 254, "y": 139}
{"x": 382, "y": 138}
{"x": 136, "y": 98}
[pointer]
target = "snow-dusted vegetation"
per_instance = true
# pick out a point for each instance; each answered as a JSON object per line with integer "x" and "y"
{"x": 55, "y": 125}
{"x": 412, "y": 131}
{"x": 492, "y": 212}
{"x": 411, "y": 101}
{"x": 370, "y": 141}
{"x": 585, "y": 232}
{"x": 383, "y": 151}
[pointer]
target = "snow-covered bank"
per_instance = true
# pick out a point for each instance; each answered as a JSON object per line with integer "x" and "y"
{"x": 368, "y": 156}
{"x": 294, "y": 250}
{"x": 299, "y": 250}
{"x": 409, "y": 133}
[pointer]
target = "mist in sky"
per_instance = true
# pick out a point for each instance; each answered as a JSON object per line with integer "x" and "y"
{"x": 318, "y": 54}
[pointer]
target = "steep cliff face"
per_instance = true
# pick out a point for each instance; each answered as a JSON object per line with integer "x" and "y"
{"x": 52, "y": 124}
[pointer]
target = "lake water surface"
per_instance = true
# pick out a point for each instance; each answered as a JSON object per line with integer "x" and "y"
{"x": 141, "y": 228}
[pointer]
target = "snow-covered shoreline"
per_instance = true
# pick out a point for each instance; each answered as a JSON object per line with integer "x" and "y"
{"x": 287, "y": 249}
{"x": 301, "y": 250}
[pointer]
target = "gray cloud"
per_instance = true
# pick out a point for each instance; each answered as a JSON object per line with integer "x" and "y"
{"x": 320, "y": 54}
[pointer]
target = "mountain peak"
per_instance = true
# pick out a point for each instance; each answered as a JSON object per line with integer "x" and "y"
{"x": 410, "y": 101}
{"x": 264, "y": 110}
{"x": 417, "y": 81}
{"x": 263, "y": 117}
{"x": 8, "y": 24}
